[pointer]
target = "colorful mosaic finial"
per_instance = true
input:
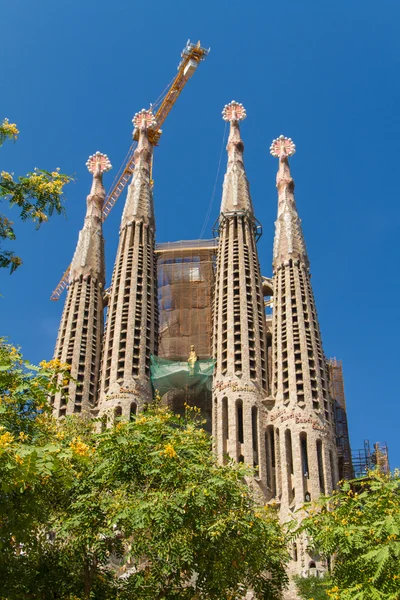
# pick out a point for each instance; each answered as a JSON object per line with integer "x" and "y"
{"x": 282, "y": 147}
{"x": 234, "y": 111}
{"x": 98, "y": 162}
{"x": 144, "y": 119}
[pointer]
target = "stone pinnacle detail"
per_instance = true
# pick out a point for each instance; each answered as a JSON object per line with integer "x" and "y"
{"x": 132, "y": 320}
{"x": 289, "y": 240}
{"x": 81, "y": 328}
{"x": 302, "y": 433}
{"x": 240, "y": 378}
{"x": 236, "y": 193}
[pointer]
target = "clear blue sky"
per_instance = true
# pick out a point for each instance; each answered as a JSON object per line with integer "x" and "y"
{"x": 324, "y": 73}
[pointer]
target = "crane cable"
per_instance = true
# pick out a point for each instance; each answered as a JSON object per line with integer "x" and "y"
{"x": 210, "y": 204}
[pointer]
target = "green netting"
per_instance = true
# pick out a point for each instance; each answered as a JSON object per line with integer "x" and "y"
{"x": 167, "y": 375}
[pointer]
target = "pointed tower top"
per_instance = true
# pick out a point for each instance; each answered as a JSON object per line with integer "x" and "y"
{"x": 236, "y": 194}
{"x": 98, "y": 163}
{"x": 234, "y": 111}
{"x": 143, "y": 121}
{"x": 139, "y": 201}
{"x": 282, "y": 147}
{"x": 289, "y": 242}
{"x": 89, "y": 254}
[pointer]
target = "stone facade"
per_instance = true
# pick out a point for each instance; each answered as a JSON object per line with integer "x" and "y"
{"x": 301, "y": 424}
{"x": 132, "y": 321}
{"x": 271, "y": 406}
{"x": 81, "y": 329}
{"x": 240, "y": 378}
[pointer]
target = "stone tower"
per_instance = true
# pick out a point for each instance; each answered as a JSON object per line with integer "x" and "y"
{"x": 300, "y": 431}
{"x": 132, "y": 320}
{"x": 81, "y": 329}
{"x": 240, "y": 379}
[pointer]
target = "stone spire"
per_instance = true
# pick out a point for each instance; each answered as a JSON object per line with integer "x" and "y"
{"x": 236, "y": 192}
{"x": 289, "y": 240}
{"x": 139, "y": 202}
{"x": 81, "y": 328}
{"x": 240, "y": 380}
{"x": 303, "y": 420}
{"x": 132, "y": 320}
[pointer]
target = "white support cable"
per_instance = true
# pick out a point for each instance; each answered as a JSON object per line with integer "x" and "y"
{"x": 210, "y": 204}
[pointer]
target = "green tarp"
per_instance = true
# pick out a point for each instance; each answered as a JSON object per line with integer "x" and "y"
{"x": 167, "y": 375}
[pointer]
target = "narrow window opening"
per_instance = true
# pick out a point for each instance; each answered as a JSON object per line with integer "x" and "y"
{"x": 239, "y": 417}
{"x": 332, "y": 469}
{"x": 320, "y": 467}
{"x": 132, "y": 411}
{"x": 254, "y": 428}
{"x": 289, "y": 464}
{"x": 225, "y": 425}
{"x": 304, "y": 454}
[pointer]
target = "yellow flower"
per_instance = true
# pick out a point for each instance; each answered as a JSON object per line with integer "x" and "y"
{"x": 169, "y": 451}
{"x": 22, "y": 436}
{"x": 79, "y": 447}
{"x": 6, "y": 439}
{"x": 9, "y": 129}
{"x": 19, "y": 459}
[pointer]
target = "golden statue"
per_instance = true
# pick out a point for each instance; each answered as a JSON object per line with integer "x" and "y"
{"x": 192, "y": 360}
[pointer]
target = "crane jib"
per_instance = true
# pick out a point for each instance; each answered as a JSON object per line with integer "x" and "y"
{"x": 192, "y": 54}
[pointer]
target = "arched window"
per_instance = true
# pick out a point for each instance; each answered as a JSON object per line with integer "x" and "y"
{"x": 132, "y": 411}
{"x": 333, "y": 477}
{"x": 103, "y": 423}
{"x": 278, "y": 463}
{"x": 117, "y": 412}
{"x": 289, "y": 464}
{"x": 254, "y": 428}
{"x": 239, "y": 421}
{"x": 225, "y": 425}
{"x": 304, "y": 455}
{"x": 295, "y": 556}
{"x": 270, "y": 458}
{"x": 320, "y": 467}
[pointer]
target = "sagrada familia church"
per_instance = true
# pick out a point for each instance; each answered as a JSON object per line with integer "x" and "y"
{"x": 198, "y": 322}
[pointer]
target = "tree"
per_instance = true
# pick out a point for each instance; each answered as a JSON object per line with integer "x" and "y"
{"x": 313, "y": 588}
{"x": 141, "y": 510}
{"x": 359, "y": 526}
{"x": 37, "y": 195}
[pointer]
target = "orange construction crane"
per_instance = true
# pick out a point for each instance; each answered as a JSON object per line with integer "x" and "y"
{"x": 191, "y": 55}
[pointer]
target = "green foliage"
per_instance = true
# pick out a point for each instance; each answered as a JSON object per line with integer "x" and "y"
{"x": 141, "y": 510}
{"x": 36, "y": 195}
{"x": 360, "y": 527}
{"x": 313, "y": 588}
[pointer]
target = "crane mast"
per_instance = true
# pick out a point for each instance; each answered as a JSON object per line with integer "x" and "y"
{"x": 191, "y": 56}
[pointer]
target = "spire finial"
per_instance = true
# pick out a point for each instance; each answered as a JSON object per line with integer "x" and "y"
{"x": 98, "y": 163}
{"x": 236, "y": 193}
{"x": 282, "y": 147}
{"x": 143, "y": 120}
{"x": 234, "y": 111}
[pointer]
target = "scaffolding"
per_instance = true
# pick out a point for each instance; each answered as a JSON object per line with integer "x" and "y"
{"x": 365, "y": 460}
{"x": 185, "y": 273}
{"x": 336, "y": 390}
